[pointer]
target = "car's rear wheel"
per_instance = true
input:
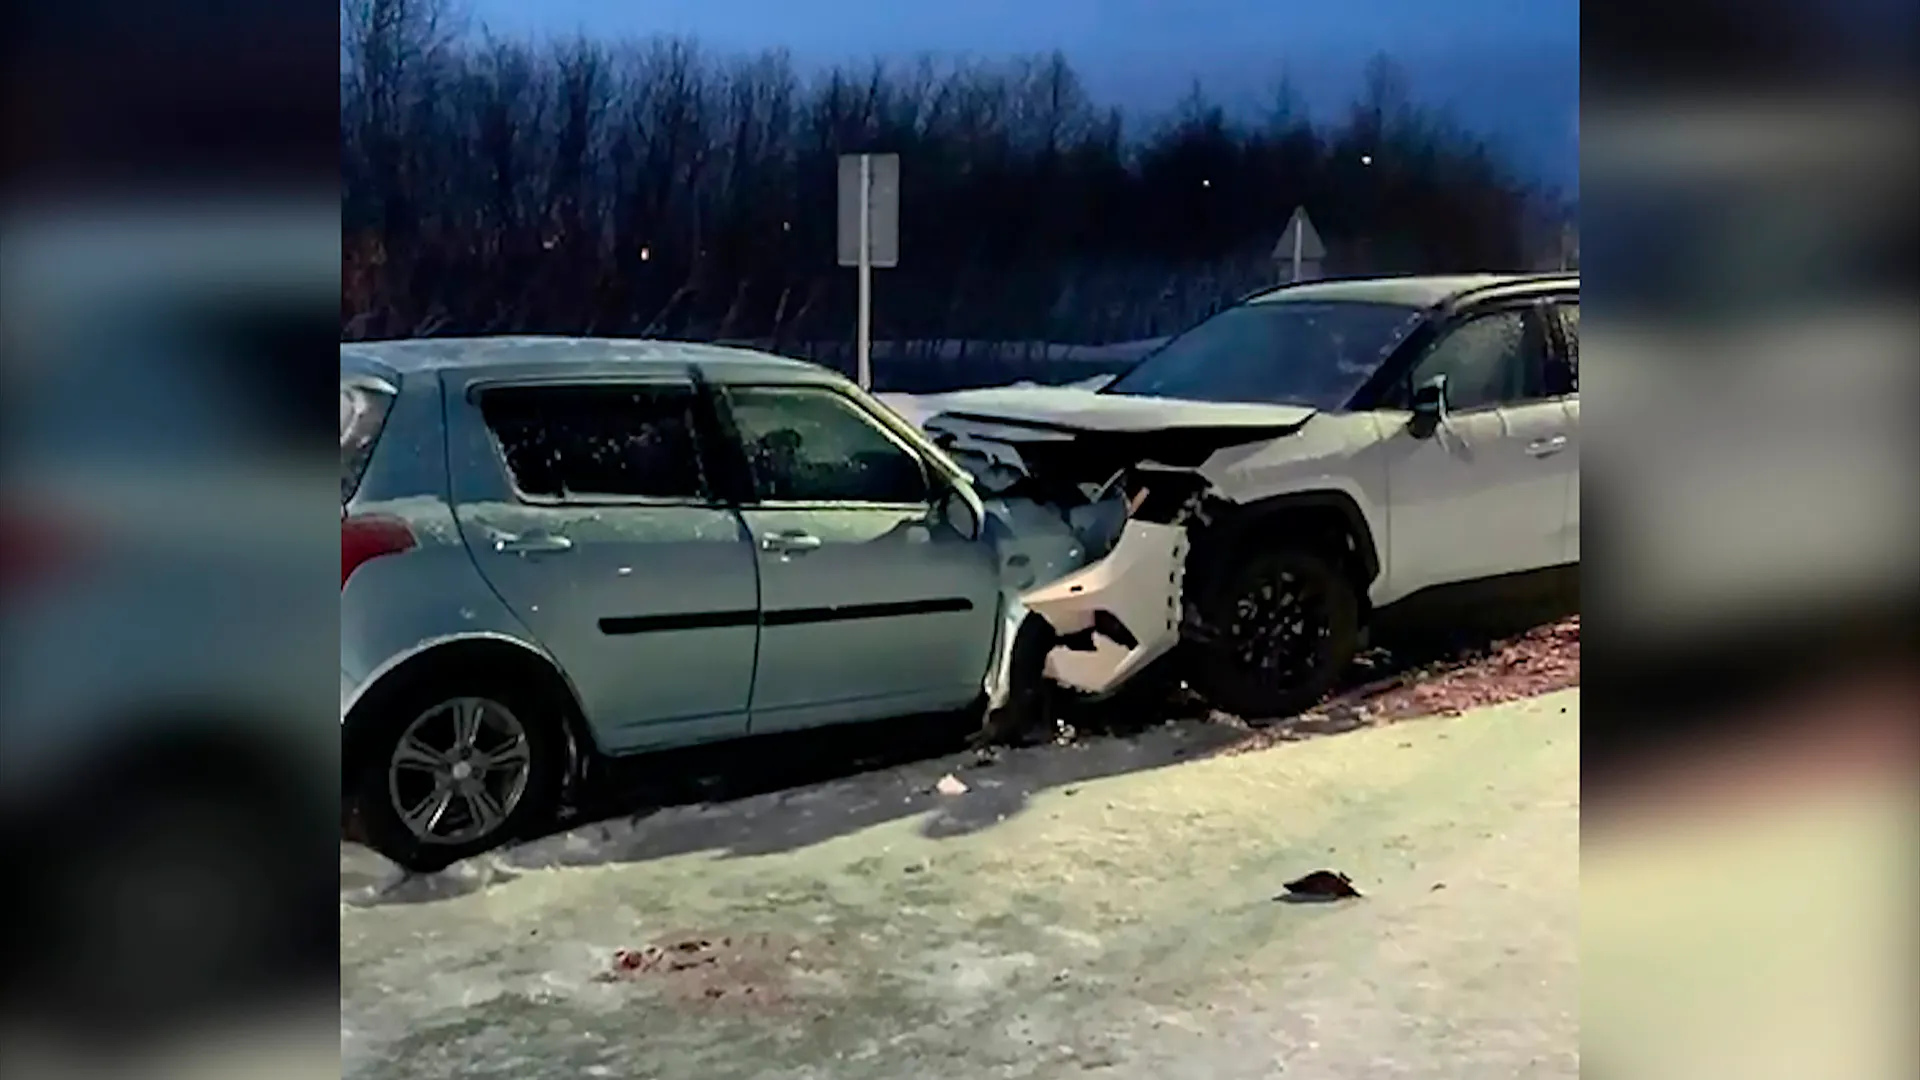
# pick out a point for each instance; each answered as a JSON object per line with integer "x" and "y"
{"x": 1280, "y": 629}
{"x": 448, "y": 775}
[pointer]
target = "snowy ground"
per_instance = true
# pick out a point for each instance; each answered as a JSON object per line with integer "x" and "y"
{"x": 1098, "y": 909}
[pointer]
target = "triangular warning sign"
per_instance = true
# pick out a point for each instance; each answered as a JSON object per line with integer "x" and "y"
{"x": 1300, "y": 229}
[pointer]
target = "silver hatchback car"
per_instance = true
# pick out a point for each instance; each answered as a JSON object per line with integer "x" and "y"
{"x": 555, "y": 548}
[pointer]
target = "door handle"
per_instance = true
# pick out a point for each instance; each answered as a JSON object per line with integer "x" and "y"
{"x": 534, "y": 543}
{"x": 789, "y": 543}
{"x": 1547, "y": 447}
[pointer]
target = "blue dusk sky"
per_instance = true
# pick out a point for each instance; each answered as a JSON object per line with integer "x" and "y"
{"x": 1508, "y": 68}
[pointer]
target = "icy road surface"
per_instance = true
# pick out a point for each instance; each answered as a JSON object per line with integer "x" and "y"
{"x": 1100, "y": 910}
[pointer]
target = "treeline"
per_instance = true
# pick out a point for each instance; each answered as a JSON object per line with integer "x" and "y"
{"x": 496, "y": 186}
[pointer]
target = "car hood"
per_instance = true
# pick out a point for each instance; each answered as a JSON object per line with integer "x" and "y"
{"x": 1074, "y": 410}
{"x": 1063, "y": 438}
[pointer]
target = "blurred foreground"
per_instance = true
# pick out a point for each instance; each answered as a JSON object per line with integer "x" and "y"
{"x": 1749, "y": 782}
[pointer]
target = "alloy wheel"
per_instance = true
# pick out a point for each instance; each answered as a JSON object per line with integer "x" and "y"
{"x": 459, "y": 770}
{"x": 1278, "y": 628}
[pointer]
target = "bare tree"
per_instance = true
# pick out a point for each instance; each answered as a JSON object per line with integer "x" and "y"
{"x": 652, "y": 187}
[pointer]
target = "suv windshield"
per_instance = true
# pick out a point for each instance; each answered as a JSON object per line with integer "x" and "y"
{"x": 1287, "y": 352}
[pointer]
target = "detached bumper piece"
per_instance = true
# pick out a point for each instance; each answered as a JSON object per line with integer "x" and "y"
{"x": 1116, "y": 616}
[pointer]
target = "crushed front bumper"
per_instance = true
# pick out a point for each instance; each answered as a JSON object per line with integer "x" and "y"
{"x": 1114, "y": 614}
{"x": 1107, "y": 580}
{"x": 1115, "y": 617}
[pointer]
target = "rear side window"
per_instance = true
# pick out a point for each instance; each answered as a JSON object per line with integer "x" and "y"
{"x": 587, "y": 442}
{"x": 363, "y": 415}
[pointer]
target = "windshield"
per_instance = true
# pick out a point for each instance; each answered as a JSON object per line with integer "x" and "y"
{"x": 1297, "y": 352}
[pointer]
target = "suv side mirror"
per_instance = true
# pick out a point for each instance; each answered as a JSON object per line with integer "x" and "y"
{"x": 1429, "y": 406}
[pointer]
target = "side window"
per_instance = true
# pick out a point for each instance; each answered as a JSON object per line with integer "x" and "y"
{"x": 1563, "y": 376}
{"x": 806, "y": 444}
{"x": 580, "y": 442}
{"x": 1493, "y": 359}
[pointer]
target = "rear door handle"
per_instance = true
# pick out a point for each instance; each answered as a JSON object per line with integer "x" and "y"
{"x": 789, "y": 543}
{"x": 1547, "y": 447}
{"x": 533, "y": 543}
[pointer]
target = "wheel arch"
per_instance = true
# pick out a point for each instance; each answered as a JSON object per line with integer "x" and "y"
{"x": 1331, "y": 518}
{"x": 446, "y": 660}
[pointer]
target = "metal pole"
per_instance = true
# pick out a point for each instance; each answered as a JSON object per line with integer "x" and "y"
{"x": 1299, "y": 239}
{"x": 863, "y": 335}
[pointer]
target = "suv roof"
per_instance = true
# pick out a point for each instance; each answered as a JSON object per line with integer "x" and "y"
{"x": 476, "y": 353}
{"x": 1422, "y": 291}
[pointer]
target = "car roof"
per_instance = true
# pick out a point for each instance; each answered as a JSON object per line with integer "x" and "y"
{"x": 637, "y": 355}
{"x": 1421, "y": 291}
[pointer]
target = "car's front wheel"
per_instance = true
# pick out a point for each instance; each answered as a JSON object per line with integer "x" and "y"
{"x": 450, "y": 775}
{"x": 1280, "y": 628}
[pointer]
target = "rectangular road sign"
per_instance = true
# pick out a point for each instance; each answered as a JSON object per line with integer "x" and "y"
{"x": 883, "y": 209}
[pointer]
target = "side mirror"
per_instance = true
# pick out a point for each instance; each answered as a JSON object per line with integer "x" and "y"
{"x": 956, "y": 511}
{"x": 1429, "y": 406}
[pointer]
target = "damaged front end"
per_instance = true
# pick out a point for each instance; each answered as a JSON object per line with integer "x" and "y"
{"x": 1092, "y": 529}
{"x": 1117, "y": 616}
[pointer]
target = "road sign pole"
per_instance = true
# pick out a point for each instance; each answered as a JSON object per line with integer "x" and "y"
{"x": 1297, "y": 248}
{"x": 863, "y": 334}
{"x": 867, "y": 237}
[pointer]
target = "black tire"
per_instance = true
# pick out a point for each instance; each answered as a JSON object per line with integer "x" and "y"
{"x": 541, "y": 719}
{"x": 1237, "y": 670}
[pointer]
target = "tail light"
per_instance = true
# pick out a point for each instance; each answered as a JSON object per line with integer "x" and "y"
{"x": 369, "y": 536}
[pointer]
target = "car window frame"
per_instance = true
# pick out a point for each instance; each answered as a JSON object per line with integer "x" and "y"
{"x": 1399, "y": 398}
{"x": 933, "y": 479}
{"x": 714, "y": 496}
{"x": 1557, "y": 332}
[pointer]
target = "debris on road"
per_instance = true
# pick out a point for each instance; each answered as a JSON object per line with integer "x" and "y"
{"x": 950, "y": 785}
{"x": 1540, "y": 661}
{"x": 1321, "y": 885}
{"x": 680, "y": 956}
{"x": 753, "y": 969}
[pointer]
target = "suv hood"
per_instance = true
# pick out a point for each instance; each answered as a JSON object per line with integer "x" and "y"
{"x": 1064, "y": 438}
{"x": 1074, "y": 410}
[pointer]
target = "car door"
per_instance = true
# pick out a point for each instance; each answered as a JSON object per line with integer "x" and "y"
{"x": 1563, "y": 381}
{"x": 586, "y": 506}
{"x": 872, "y": 605}
{"x": 1484, "y": 493}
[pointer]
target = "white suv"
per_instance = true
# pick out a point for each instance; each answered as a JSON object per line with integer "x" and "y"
{"x": 1308, "y": 463}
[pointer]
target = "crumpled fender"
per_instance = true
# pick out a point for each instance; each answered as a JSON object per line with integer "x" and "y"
{"x": 1119, "y": 614}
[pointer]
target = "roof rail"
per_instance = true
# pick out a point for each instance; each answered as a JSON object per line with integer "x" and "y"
{"x": 1268, "y": 290}
{"x": 1508, "y": 281}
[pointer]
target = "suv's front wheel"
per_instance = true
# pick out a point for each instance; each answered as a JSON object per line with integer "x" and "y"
{"x": 1280, "y": 627}
{"x": 448, "y": 776}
